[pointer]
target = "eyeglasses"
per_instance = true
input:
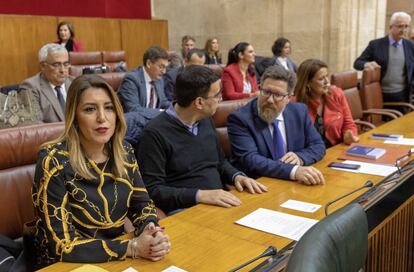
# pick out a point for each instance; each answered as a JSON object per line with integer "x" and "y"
{"x": 402, "y": 26}
{"x": 218, "y": 95}
{"x": 276, "y": 96}
{"x": 160, "y": 66}
{"x": 57, "y": 65}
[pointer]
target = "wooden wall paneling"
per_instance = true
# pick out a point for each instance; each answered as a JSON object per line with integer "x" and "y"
{"x": 138, "y": 35}
{"x": 21, "y": 38}
{"x": 96, "y": 34}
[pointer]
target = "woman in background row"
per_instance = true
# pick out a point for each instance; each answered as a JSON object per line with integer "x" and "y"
{"x": 86, "y": 184}
{"x": 327, "y": 105}
{"x": 213, "y": 55}
{"x": 281, "y": 50}
{"x": 238, "y": 79}
{"x": 66, "y": 36}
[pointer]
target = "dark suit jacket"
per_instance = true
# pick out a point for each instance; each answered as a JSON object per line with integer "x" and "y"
{"x": 133, "y": 92}
{"x": 252, "y": 144}
{"x": 169, "y": 82}
{"x": 232, "y": 81}
{"x": 46, "y": 97}
{"x": 378, "y": 51}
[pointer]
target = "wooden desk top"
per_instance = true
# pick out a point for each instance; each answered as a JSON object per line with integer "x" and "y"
{"x": 205, "y": 238}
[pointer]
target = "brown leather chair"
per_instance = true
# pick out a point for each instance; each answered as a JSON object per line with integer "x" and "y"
{"x": 19, "y": 148}
{"x": 371, "y": 96}
{"x": 348, "y": 82}
{"x": 113, "y": 59}
{"x": 217, "y": 68}
{"x": 81, "y": 60}
{"x": 114, "y": 79}
{"x": 220, "y": 121}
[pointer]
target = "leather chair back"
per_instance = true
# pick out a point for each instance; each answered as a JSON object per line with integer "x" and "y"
{"x": 217, "y": 68}
{"x": 114, "y": 79}
{"x": 348, "y": 82}
{"x": 220, "y": 121}
{"x": 113, "y": 59}
{"x": 371, "y": 91}
{"x": 338, "y": 242}
{"x": 80, "y": 60}
{"x": 19, "y": 148}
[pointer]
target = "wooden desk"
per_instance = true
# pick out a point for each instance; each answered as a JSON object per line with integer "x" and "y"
{"x": 205, "y": 238}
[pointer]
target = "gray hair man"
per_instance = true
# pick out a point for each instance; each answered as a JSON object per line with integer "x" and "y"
{"x": 394, "y": 54}
{"x": 51, "y": 84}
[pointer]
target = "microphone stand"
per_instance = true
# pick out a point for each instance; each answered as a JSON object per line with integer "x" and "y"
{"x": 368, "y": 184}
{"x": 270, "y": 251}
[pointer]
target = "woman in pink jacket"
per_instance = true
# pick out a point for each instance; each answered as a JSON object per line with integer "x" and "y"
{"x": 238, "y": 79}
{"x": 327, "y": 105}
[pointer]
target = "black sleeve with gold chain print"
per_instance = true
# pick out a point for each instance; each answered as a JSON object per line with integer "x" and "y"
{"x": 78, "y": 219}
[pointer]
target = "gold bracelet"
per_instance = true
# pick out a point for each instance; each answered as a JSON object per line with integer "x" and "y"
{"x": 134, "y": 248}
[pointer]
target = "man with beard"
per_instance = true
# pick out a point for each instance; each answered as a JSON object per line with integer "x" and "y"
{"x": 274, "y": 138}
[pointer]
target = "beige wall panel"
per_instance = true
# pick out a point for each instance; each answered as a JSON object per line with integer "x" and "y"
{"x": 21, "y": 38}
{"x": 138, "y": 35}
{"x": 96, "y": 34}
{"x": 335, "y": 31}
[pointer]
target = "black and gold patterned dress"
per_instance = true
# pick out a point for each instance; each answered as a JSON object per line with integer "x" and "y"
{"x": 78, "y": 219}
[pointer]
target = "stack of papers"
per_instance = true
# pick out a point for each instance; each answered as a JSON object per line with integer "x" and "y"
{"x": 282, "y": 224}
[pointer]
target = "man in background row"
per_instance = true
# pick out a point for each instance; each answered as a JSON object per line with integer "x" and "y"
{"x": 51, "y": 84}
{"x": 142, "y": 89}
{"x": 194, "y": 56}
{"x": 187, "y": 43}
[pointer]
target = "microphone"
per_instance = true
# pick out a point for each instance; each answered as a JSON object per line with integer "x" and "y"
{"x": 270, "y": 251}
{"x": 367, "y": 184}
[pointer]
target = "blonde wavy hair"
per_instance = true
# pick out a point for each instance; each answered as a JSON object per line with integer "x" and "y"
{"x": 114, "y": 148}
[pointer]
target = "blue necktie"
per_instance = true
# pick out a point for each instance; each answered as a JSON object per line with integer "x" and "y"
{"x": 277, "y": 140}
{"x": 395, "y": 44}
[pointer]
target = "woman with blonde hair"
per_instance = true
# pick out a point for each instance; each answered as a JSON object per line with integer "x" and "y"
{"x": 327, "y": 105}
{"x": 87, "y": 182}
{"x": 213, "y": 55}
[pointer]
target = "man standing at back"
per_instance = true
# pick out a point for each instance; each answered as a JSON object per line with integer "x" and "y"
{"x": 143, "y": 88}
{"x": 180, "y": 157}
{"x": 51, "y": 84}
{"x": 273, "y": 137}
{"x": 395, "y": 56}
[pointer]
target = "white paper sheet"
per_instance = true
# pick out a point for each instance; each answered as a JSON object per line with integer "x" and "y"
{"x": 130, "y": 269}
{"x": 402, "y": 141}
{"x": 300, "y": 206}
{"x": 370, "y": 168}
{"x": 282, "y": 224}
{"x": 173, "y": 268}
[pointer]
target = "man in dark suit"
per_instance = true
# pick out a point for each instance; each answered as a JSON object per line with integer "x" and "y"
{"x": 180, "y": 157}
{"x": 395, "y": 56}
{"x": 143, "y": 88}
{"x": 51, "y": 84}
{"x": 194, "y": 56}
{"x": 274, "y": 138}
